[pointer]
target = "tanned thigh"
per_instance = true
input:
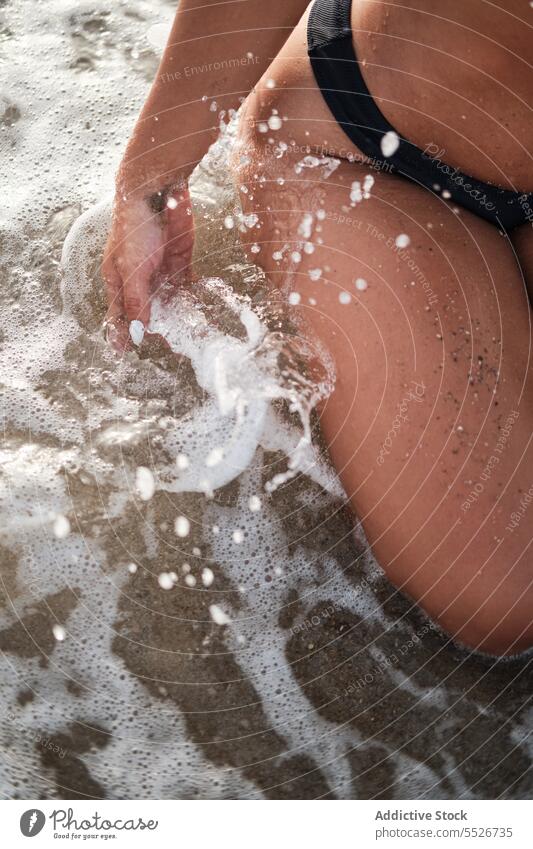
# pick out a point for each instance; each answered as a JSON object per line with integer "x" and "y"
{"x": 425, "y": 313}
{"x": 429, "y": 426}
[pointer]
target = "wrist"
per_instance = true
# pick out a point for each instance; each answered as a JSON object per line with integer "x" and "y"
{"x": 167, "y": 143}
{"x": 142, "y": 173}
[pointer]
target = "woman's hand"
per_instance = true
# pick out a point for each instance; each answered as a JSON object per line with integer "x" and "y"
{"x": 151, "y": 237}
{"x": 150, "y": 243}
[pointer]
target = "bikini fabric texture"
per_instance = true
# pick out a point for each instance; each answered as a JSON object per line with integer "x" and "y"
{"x": 339, "y": 77}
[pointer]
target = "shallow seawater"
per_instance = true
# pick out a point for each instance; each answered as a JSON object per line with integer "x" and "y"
{"x": 182, "y": 628}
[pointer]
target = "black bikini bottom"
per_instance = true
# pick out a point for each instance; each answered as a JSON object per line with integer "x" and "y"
{"x": 338, "y": 75}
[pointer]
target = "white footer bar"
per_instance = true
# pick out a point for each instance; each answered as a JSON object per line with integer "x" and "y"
{"x": 267, "y": 825}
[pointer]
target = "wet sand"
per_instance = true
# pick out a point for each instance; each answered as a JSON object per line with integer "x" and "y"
{"x": 327, "y": 683}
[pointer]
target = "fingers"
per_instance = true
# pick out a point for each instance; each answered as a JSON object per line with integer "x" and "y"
{"x": 144, "y": 247}
{"x": 113, "y": 282}
{"x": 139, "y": 257}
{"x": 115, "y": 325}
{"x": 137, "y": 296}
{"x": 179, "y": 238}
{"x": 117, "y": 333}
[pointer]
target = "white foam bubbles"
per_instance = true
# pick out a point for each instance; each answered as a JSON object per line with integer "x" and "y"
{"x": 157, "y": 34}
{"x": 182, "y": 526}
{"x": 61, "y": 527}
{"x": 166, "y": 580}
{"x": 145, "y": 483}
{"x": 402, "y": 241}
{"x": 207, "y": 576}
{"x": 389, "y": 143}
{"x": 136, "y": 331}
{"x": 59, "y": 632}
{"x": 218, "y": 616}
